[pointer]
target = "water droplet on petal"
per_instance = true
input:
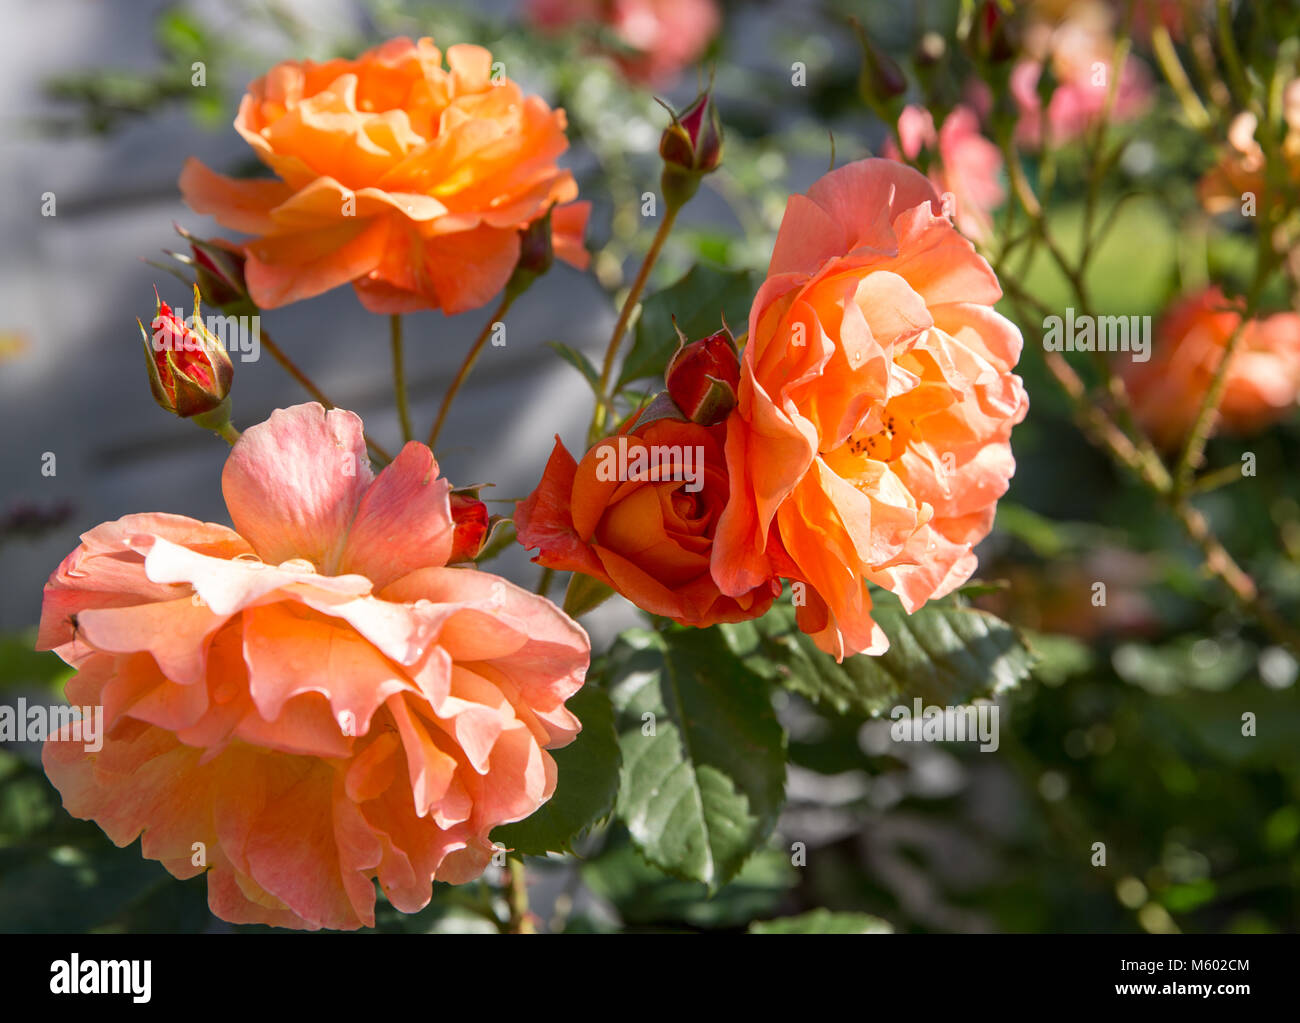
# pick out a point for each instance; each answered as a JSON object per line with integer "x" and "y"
{"x": 297, "y": 565}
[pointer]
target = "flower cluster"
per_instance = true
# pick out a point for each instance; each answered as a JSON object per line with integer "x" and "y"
{"x": 330, "y": 693}
{"x": 869, "y": 442}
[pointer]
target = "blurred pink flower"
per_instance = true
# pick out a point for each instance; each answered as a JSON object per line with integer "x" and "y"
{"x": 1079, "y": 51}
{"x": 964, "y": 165}
{"x": 1077, "y": 102}
{"x": 660, "y": 37}
{"x": 1174, "y": 15}
{"x": 310, "y": 701}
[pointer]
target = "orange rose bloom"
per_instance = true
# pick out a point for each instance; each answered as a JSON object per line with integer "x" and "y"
{"x": 871, "y": 438}
{"x": 651, "y": 40}
{"x": 639, "y": 513}
{"x": 406, "y": 180}
{"x": 1242, "y": 165}
{"x": 1263, "y": 381}
{"x": 312, "y": 701}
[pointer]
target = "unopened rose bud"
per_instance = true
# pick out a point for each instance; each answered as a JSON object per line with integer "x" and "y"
{"x": 703, "y": 378}
{"x": 536, "y": 254}
{"x": 993, "y": 36}
{"x": 472, "y": 526}
{"x": 881, "y": 80}
{"x": 218, "y": 271}
{"x": 189, "y": 370}
{"x": 691, "y": 147}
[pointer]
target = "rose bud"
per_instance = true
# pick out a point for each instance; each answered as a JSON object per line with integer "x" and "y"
{"x": 703, "y": 376}
{"x": 473, "y": 524}
{"x": 993, "y": 36}
{"x": 218, "y": 270}
{"x": 691, "y": 147}
{"x": 638, "y": 513}
{"x": 881, "y": 80}
{"x": 536, "y": 254}
{"x": 189, "y": 370}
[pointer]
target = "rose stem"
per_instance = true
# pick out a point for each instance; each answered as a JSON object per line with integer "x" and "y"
{"x": 471, "y": 357}
{"x": 517, "y": 898}
{"x": 311, "y": 388}
{"x": 633, "y": 296}
{"x": 399, "y": 374}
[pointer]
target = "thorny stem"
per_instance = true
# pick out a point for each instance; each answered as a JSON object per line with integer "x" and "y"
{"x": 1102, "y": 431}
{"x": 279, "y": 356}
{"x": 1203, "y": 425}
{"x": 399, "y": 374}
{"x": 471, "y": 357}
{"x": 1075, "y": 276}
{"x": 603, "y": 398}
{"x": 1211, "y": 481}
{"x": 1133, "y": 450}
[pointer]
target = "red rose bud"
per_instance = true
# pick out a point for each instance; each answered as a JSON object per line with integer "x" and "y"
{"x": 189, "y": 370}
{"x": 218, "y": 271}
{"x": 993, "y": 37}
{"x": 472, "y": 526}
{"x": 703, "y": 378}
{"x": 691, "y": 147}
{"x": 693, "y": 141}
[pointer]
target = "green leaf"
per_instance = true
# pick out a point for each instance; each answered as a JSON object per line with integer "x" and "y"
{"x": 1185, "y": 663}
{"x": 700, "y": 301}
{"x": 823, "y": 921}
{"x": 453, "y": 909}
{"x": 1059, "y": 658}
{"x": 1217, "y": 721}
{"x": 703, "y": 773}
{"x": 579, "y": 362}
{"x": 587, "y": 770}
{"x": 584, "y": 593}
{"x": 945, "y": 655}
{"x": 1039, "y": 533}
{"x": 644, "y": 897}
{"x": 1183, "y": 898}
{"x": 982, "y": 588}
{"x": 61, "y": 875}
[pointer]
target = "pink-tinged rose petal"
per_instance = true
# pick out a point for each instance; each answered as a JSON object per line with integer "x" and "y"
{"x": 293, "y": 484}
{"x": 404, "y": 521}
